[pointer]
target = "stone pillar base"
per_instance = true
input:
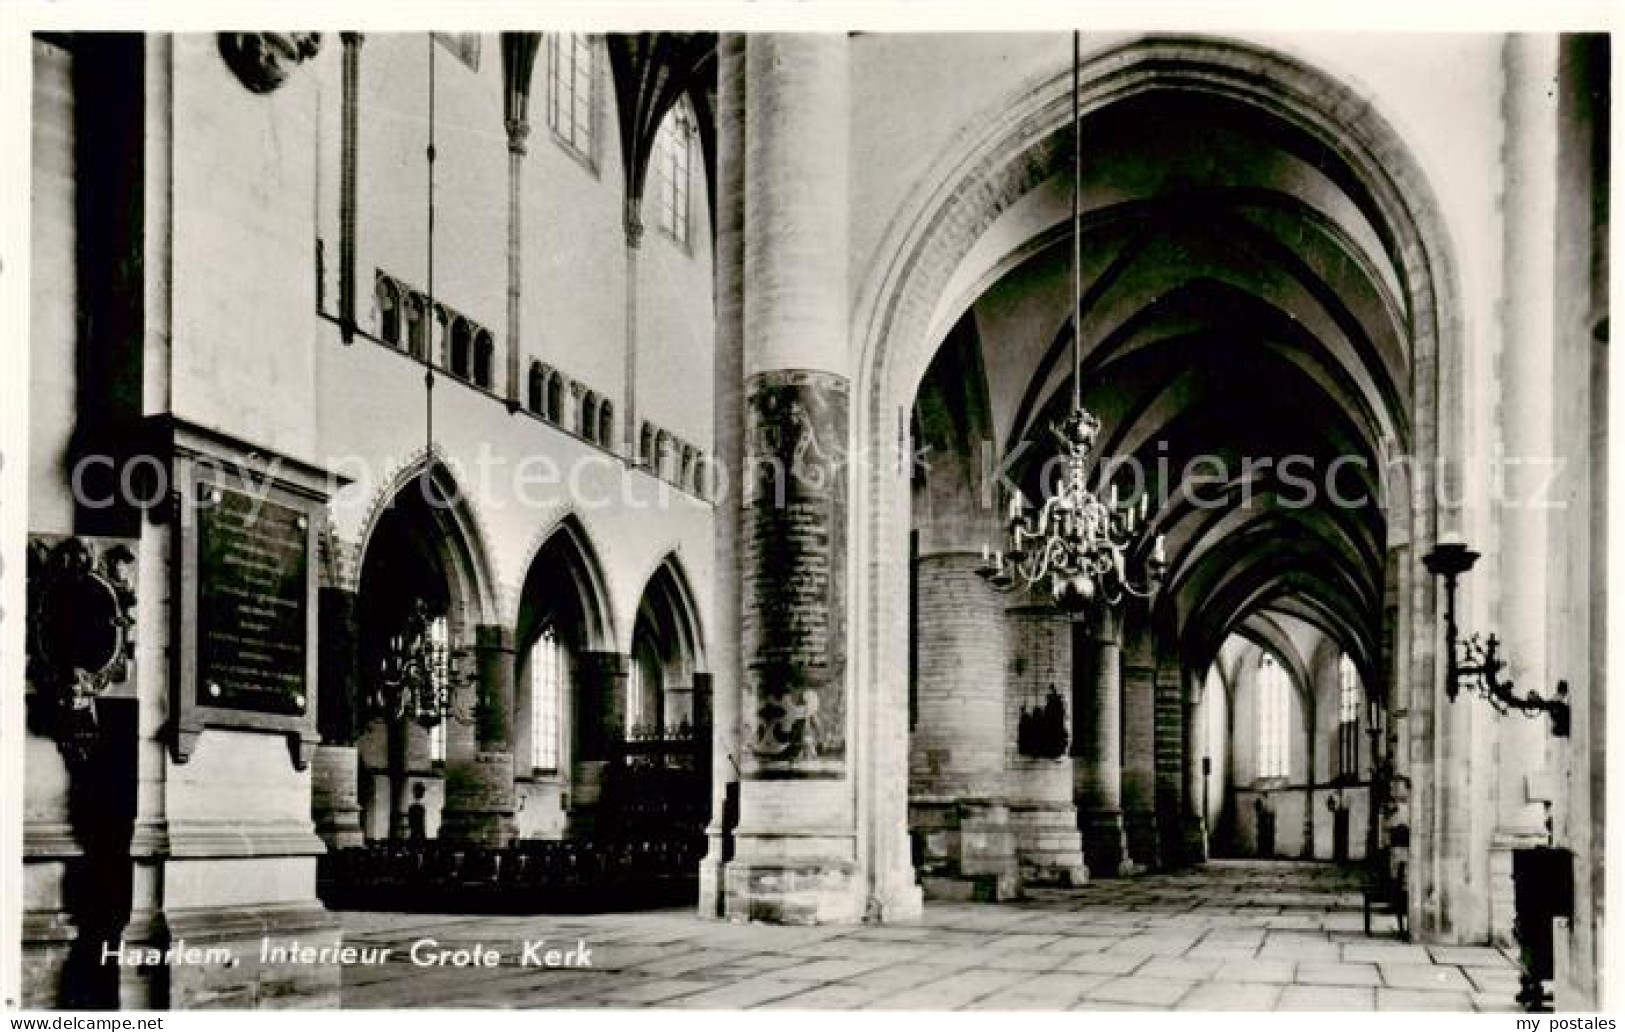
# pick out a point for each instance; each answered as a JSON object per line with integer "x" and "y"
{"x": 479, "y": 807}
{"x": 1105, "y": 846}
{"x": 335, "y": 803}
{"x": 248, "y": 957}
{"x": 1144, "y": 839}
{"x": 713, "y": 895}
{"x": 802, "y": 891}
{"x": 987, "y": 847}
{"x": 1049, "y": 848}
{"x": 967, "y": 850}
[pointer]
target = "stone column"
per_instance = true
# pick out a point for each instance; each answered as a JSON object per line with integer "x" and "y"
{"x": 957, "y": 756}
{"x": 1139, "y": 676}
{"x": 1170, "y": 717}
{"x": 797, "y": 844}
{"x": 1038, "y": 790}
{"x": 1097, "y": 687}
{"x": 335, "y": 768}
{"x": 479, "y": 805}
{"x": 518, "y": 59}
{"x": 349, "y": 147}
{"x": 633, "y": 226}
{"x": 727, "y": 375}
{"x": 1193, "y": 822}
{"x": 599, "y": 681}
{"x": 1526, "y": 426}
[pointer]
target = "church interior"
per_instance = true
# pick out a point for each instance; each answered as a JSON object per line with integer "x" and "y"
{"x": 791, "y": 484}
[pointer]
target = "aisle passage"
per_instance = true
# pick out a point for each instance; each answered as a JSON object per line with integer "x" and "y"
{"x": 1236, "y": 935}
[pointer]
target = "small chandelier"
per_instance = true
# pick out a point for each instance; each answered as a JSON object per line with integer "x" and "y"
{"x": 1075, "y": 544}
{"x": 417, "y": 676}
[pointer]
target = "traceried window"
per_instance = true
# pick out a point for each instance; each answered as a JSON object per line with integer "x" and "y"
{"x": 549, "y": 668}
{"x": 1348, "y": 719}
{"x": 673, "y": 157}
{"x": 535, "y": 394}
{"x": 1274, "y": 719}
{"x": 570, "y": 91}
{"x": 438, "y": 635}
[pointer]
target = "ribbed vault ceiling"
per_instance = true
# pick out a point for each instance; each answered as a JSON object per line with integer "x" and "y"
{"x": 1243, "y": 342}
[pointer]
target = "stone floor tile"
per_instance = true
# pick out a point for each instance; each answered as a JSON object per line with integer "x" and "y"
{"x": 1326, "y": 998}
{"x": 1422, "y": 1000}
{"x": 1107, "y": 963}
{"x": 1493, "y": 980}
{"x": 1255, "y": 971}
{"x": 828, "y": 969}
{"x": 1386, "y": 953}
{"x": 829, "y": 997}
{"x": 1223, "y": 952}
{"x": 1026, "y": 960}
{"x": 1231, "y": 996}
{"x": 1146, "y": 992}
{"x": 951, "y": 993}
{"x": 654, "y": 990}
{"x": 684, "y": 962}
{"x": 1316, "y": 973}
{"x": 1496, "y": 1003}
{"x": 1051, "y": 992}
{"x": 903, "y": 976}
{"x": 1178, "y": 968}
{"x": 739, "y": 995}
{"x": 1424, "y": 976}
{"x": 1470, "y": 956}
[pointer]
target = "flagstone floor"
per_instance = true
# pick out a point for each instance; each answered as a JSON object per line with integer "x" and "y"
{"x": 1234, "y": 935}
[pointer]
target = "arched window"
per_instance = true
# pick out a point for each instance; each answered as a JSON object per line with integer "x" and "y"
{"x": 555, "y": 398}
{"x": 701, "y": 465}
{"x": 1274, "y": 719}
{"x": 589, "y": 414}
{"x": 416, "y": 326}
{"x": 536, "y": 387}
{"x": 439, "y": 634}
{"x": 685, "y": 480}
{"x": 606, "y": 423}
{"x": 662, "y": 458}
{"x": 646, "y": 447}
{"x": 460, "y": 347}
{"x": 672, "y": 160}
{"x": 549, "y": 671}
{"x": 484, "y": 356}
{"x": 389, "y": 311}
{"x": 570, "y": 91}
{"x": 1348, "y": 719}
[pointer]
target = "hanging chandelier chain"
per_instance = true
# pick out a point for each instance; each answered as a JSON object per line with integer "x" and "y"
{"x": 1075, "y": 543}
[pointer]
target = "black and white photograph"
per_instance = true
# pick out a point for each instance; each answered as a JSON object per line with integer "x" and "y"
{"x": 828, "y": 515}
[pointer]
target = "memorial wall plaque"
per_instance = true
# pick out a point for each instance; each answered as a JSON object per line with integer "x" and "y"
{"x": 247, "y": 524}
{"x": 253, "y": 572}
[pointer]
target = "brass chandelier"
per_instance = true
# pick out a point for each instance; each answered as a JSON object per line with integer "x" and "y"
{"x": 1079, "y": 547}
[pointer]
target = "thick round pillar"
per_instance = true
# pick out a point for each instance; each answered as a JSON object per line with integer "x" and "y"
{"x": 480, "y": 804}
{"x": 728, "y": 427}
{"x": 1139, "y": 755}
{"x": 1099, "y": 771}
{"x": 1038, "y": 788}
{"x": 335, "y": 769}
{"x": 796, "y": 857}
{"x": 1193, "y": 822}
{"x": 599, "y": 680}
{"x": 957, "y": 753}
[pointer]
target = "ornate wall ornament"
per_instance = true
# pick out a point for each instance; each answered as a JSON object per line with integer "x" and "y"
{"x": 81, "y": 615}
{"x": 262, "y": 61}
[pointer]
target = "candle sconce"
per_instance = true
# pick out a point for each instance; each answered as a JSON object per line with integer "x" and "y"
{"x": 1478, "y": 665}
